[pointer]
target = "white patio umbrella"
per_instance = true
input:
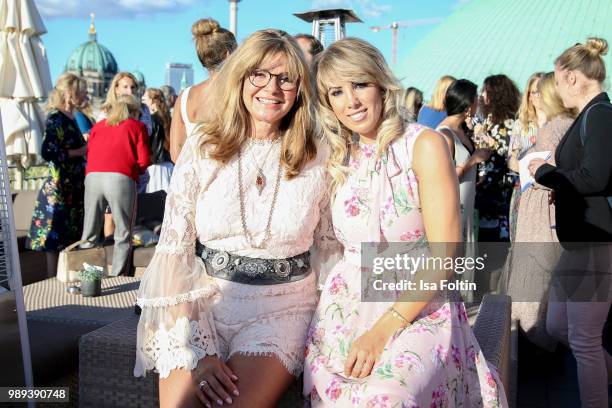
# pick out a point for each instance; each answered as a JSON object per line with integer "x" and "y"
{"x": 24, "y": 78}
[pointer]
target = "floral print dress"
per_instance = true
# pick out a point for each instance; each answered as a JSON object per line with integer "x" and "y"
{"x": 57, "y": 220}
{"x": 494, "y": 185}
{"x": 436, "y": 362}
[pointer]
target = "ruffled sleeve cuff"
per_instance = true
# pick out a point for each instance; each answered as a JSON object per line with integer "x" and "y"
{"x": 176, "y": 327}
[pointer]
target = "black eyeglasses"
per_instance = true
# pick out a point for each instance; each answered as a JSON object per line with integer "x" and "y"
{"x": 261, "y": 78}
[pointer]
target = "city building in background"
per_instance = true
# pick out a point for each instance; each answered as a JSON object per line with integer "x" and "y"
{"x": 95, "y": 63}
{"x": 179, "y": 75}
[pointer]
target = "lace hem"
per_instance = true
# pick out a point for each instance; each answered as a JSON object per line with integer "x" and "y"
{"x": 186, "y": 343}
{"x": 294, "y": 367}
{"x": 177, "y": 299}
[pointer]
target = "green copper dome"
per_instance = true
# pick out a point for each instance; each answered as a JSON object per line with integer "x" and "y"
{"x": 92, "y": 56}
{"x": 139, "y": 77}
{"x": 516, "y": 38}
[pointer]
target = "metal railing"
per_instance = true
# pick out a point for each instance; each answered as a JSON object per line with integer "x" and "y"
{"x": 31, "y": 178}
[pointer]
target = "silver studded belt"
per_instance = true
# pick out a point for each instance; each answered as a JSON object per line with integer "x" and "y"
{"x": 253, "y": 271}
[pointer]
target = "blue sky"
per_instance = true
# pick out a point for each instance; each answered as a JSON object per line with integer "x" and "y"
{"x": 145, "y": 34}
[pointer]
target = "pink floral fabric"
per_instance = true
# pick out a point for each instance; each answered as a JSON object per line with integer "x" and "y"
{"x": 436, "y": 362}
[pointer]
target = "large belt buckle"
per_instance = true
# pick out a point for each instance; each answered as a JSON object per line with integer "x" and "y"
{"x": 282, "y": 267}
{"x": 220, "y": 260}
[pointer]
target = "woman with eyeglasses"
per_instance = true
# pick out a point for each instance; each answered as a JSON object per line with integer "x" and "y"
{"x": 392, "y": 183}
{"x": 522, "y": 137}
{"x": 228, "y": 297}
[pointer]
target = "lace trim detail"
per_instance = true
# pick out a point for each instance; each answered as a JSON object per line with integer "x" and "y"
{"x": 181, "y": 298}
{"x": 180, "y": 347}
{"x": 295, "y": 367}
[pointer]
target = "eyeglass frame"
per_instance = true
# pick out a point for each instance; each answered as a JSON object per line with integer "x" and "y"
{"x": 270, "y": 75}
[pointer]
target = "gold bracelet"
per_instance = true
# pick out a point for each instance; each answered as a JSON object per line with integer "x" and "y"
{"x": 398, "y": 316}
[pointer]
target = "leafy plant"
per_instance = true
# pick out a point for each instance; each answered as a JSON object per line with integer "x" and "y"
{"x": 90, "y": 273}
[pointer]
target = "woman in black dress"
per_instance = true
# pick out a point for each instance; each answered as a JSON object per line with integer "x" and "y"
{"x": 57, "y": 220}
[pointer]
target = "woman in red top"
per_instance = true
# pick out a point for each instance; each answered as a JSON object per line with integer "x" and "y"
{"x": 118, "y": 152}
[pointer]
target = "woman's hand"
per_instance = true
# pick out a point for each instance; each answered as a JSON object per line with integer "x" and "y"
{"x": 366, "y": 350}
{"x": 481, "y": 155}
{"x": 534, "y": 165}
{"x": 214, "y": 381}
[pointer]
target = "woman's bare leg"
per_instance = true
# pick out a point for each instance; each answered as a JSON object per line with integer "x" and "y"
{"x": 109, "y": 225}
{"x": 177, "y": 391}
{"x": 261, "y": 381}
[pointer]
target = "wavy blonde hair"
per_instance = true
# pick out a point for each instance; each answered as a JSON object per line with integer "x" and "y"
{"x": 111, "y": 95}
{"x": 66, "y": 82}
{"x": 357, "y": 61}
{"x": 527, "y": 113}
{"x": 439, "y": 93}
{"x": 125, "y": 107}
{"x": 551, "y": 102}
{"x": 229, "y": 123}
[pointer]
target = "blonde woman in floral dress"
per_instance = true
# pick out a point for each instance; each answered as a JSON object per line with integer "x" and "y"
{"x": 392, "y": 182}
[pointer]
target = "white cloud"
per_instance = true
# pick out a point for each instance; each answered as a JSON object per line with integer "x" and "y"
{"x": 367, "y": 8}
{"x": 109, "y": 8}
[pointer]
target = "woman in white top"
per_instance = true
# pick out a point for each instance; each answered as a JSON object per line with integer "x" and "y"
{"x": 461, "y": 102}
{"x": 213, "y": 45}
{"x": 227, "y": 322}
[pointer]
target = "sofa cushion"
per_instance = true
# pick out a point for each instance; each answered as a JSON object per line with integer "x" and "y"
{"x": 54, "y": 348}
{"x": 23, "y": 207}
{"x": 141, "y": 256}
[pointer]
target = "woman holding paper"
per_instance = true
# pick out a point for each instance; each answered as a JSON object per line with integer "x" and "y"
{"x": 582, "y": 182}
{"x": 529, "y": 266}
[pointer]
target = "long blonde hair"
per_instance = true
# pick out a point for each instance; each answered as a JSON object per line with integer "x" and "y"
{"x": 66, "y": 82}
{"x": 124, "y": 107}
{"x": 439, "y": 93}
{"x": 551, "y": 103}
{"x": 229, "y": 124}
{"x": 111, "y": 95}
{"x": 357, "y": 61}
{"x": 586, "y": 58}
{"x": 527, "y": 113}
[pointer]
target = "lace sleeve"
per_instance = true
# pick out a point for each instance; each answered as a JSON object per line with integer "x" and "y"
{"x": 176, "y": 328}
{"x": 326, "y": 250}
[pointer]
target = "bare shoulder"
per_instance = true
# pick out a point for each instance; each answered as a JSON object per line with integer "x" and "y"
{"x": 430, "y": 142}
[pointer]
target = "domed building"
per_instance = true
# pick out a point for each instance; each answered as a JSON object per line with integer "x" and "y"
{"x": 95, "y": 63}
{"x": 142, "y": 84}
{"x": 516, "y": 38}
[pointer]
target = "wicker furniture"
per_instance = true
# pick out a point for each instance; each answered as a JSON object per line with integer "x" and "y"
{"x": 109, "y": 354}
{"x": 57, "y": 319}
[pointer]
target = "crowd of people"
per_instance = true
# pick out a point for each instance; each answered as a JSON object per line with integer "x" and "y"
{"x": 288, "y": 158}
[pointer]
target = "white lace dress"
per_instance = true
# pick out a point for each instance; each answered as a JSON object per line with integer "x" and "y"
{"x": 187, "y": 314}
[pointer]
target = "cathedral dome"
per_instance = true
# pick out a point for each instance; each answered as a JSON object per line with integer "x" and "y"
{"x": 92, "y": 56}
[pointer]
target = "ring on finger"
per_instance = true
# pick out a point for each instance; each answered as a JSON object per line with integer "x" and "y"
{"x": 202, "y": 383}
